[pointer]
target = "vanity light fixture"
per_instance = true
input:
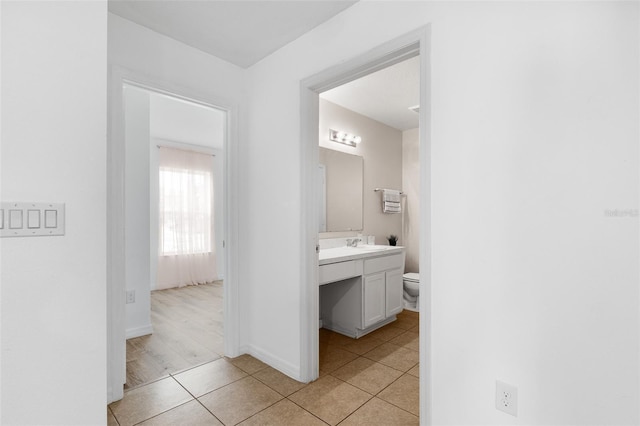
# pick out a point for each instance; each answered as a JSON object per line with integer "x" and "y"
{"x": 344, "y": 137}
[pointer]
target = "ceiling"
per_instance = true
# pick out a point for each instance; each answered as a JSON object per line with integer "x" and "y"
{"x": 241, "y": 32}
{"x": 384, "y": 96}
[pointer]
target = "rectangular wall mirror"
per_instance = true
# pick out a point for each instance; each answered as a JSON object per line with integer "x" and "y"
{"x": 341, "y": 191}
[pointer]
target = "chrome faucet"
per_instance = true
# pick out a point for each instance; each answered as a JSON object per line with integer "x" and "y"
{"x": 353, "y": 242}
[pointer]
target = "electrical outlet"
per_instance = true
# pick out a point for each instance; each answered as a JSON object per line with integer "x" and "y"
{"x": 507, "y": 398}
{"x": 131, "y": 296}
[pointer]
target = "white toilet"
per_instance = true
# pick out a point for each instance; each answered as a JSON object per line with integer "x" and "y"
{"x": 411, "y": 281}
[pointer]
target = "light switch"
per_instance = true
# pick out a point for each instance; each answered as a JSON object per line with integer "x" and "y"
{"x": 33, "y": 219}
{"x": 15, "y": 219}
{"x": 50, "y": 218}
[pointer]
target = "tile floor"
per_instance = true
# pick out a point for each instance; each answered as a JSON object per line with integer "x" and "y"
{"x": 369, "y": 381}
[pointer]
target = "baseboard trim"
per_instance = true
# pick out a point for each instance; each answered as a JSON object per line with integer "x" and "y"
{"x": 275, "y": 362}
{"x": 144, "y": 330}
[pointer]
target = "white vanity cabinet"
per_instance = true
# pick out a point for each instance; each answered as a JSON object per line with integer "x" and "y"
{"x": 393, "y": 287}
{"x": 360, "y": 295}
{"x": 374, "y": 299}
{"x": 382, "y": 290}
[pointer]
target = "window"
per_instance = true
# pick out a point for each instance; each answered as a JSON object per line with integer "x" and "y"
{"x": 186, "y": 202}
{"x": 185, "y": 212}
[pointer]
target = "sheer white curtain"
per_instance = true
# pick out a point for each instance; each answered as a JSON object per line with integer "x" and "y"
{"x": 186, "y": 241}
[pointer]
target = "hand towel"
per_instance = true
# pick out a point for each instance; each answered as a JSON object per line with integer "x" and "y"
{"x": 391, "y": 201}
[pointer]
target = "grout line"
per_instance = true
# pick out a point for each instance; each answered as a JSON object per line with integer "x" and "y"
{"x": 159, "y": 414}
{"x": 205, "y": 407}
{"x": 194, "y": 398}
{"x": 295, "y": 403}
{"x": 113, "y": 414}
{"x": 196, "y": 366}
{"x": 141, "y": 385}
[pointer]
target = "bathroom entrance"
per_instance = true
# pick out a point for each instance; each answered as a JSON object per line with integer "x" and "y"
{"x": 344, "y": 115}
{"x": 369, "y": 317}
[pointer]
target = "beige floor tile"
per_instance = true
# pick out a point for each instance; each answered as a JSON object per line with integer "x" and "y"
{"x": 415, "y": 329}
{"x": 394, "y": 356}
{"x": 406, "y": 322}
{"x": 332, "y": 358}
{"x": 191, "y": 413}
{"x": 149, "y": 400}
{"x": 330, "y": 399}
{"x": 408, "y": 339}
{"x": 415, "y": 371}
{"x": 239, "y": 400}
{"x": 405, "y": 313}
{"x": 363, "y": 345}
{"x": 328, "y": 337}
{"x": 279, "y": 382}
{"x": 111, "y": 421}
{"x": 247, "y": 363}
{"x": 283, "y": 413}
{"x": 210, "y": 376}
{"x": 379, "y": 412}
{"x": 387, "y": 332}
{"x": 370, "y": 376}
{"x": 404, "y": 393}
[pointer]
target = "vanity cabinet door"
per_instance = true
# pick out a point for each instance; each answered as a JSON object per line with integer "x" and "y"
{"x": 373, "y": 299}
{"x": 394, "y": 288}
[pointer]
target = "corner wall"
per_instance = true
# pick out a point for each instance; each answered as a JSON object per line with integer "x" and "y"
{"x": 54, "y": 111}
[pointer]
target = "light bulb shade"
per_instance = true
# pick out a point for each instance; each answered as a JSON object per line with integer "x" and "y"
{"x": 344, "y": 137}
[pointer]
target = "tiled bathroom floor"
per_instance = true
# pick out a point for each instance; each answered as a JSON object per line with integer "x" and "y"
{"x": 369, "y": 381}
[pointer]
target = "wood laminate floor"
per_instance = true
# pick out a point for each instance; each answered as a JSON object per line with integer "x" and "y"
{"x": 187, "y": 332}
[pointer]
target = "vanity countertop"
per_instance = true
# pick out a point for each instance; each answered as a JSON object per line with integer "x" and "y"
{"x": 343, "y": 254}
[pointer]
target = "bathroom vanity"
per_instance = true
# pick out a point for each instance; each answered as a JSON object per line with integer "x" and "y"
{"x": 360, "y": 288}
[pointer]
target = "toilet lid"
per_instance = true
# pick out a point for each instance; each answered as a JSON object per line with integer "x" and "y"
{"x": 412, "y": 276}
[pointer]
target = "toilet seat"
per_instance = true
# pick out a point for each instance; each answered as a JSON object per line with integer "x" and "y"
{"x": 411, "y": 276}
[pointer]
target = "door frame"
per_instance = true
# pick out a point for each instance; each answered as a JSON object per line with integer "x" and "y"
{"x": 417, "y": 42}
{"x": 116, "y": 343}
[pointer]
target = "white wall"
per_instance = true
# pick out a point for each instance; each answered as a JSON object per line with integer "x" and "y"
{"x": 535, "y": 135}
{"x": 54, "y": 149}
{"x": 381, "y": 150}
{"x": 411, "y": 201}
{"x": 156, "y": 59}
{"x": 137, "y": 191}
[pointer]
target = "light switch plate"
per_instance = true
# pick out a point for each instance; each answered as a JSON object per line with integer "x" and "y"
{"x": 31, "y": 219}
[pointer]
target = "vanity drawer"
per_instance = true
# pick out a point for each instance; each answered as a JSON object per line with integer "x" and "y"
{"x": 384, "y": 263}
{"x": 333, "y": 272}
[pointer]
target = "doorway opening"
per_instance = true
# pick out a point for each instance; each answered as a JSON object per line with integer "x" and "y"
{"x": 371, "y": 201}
{"x": 174, "y": 204}
{"x": 414, "y": 45}
{"x": 133, "y": 231}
